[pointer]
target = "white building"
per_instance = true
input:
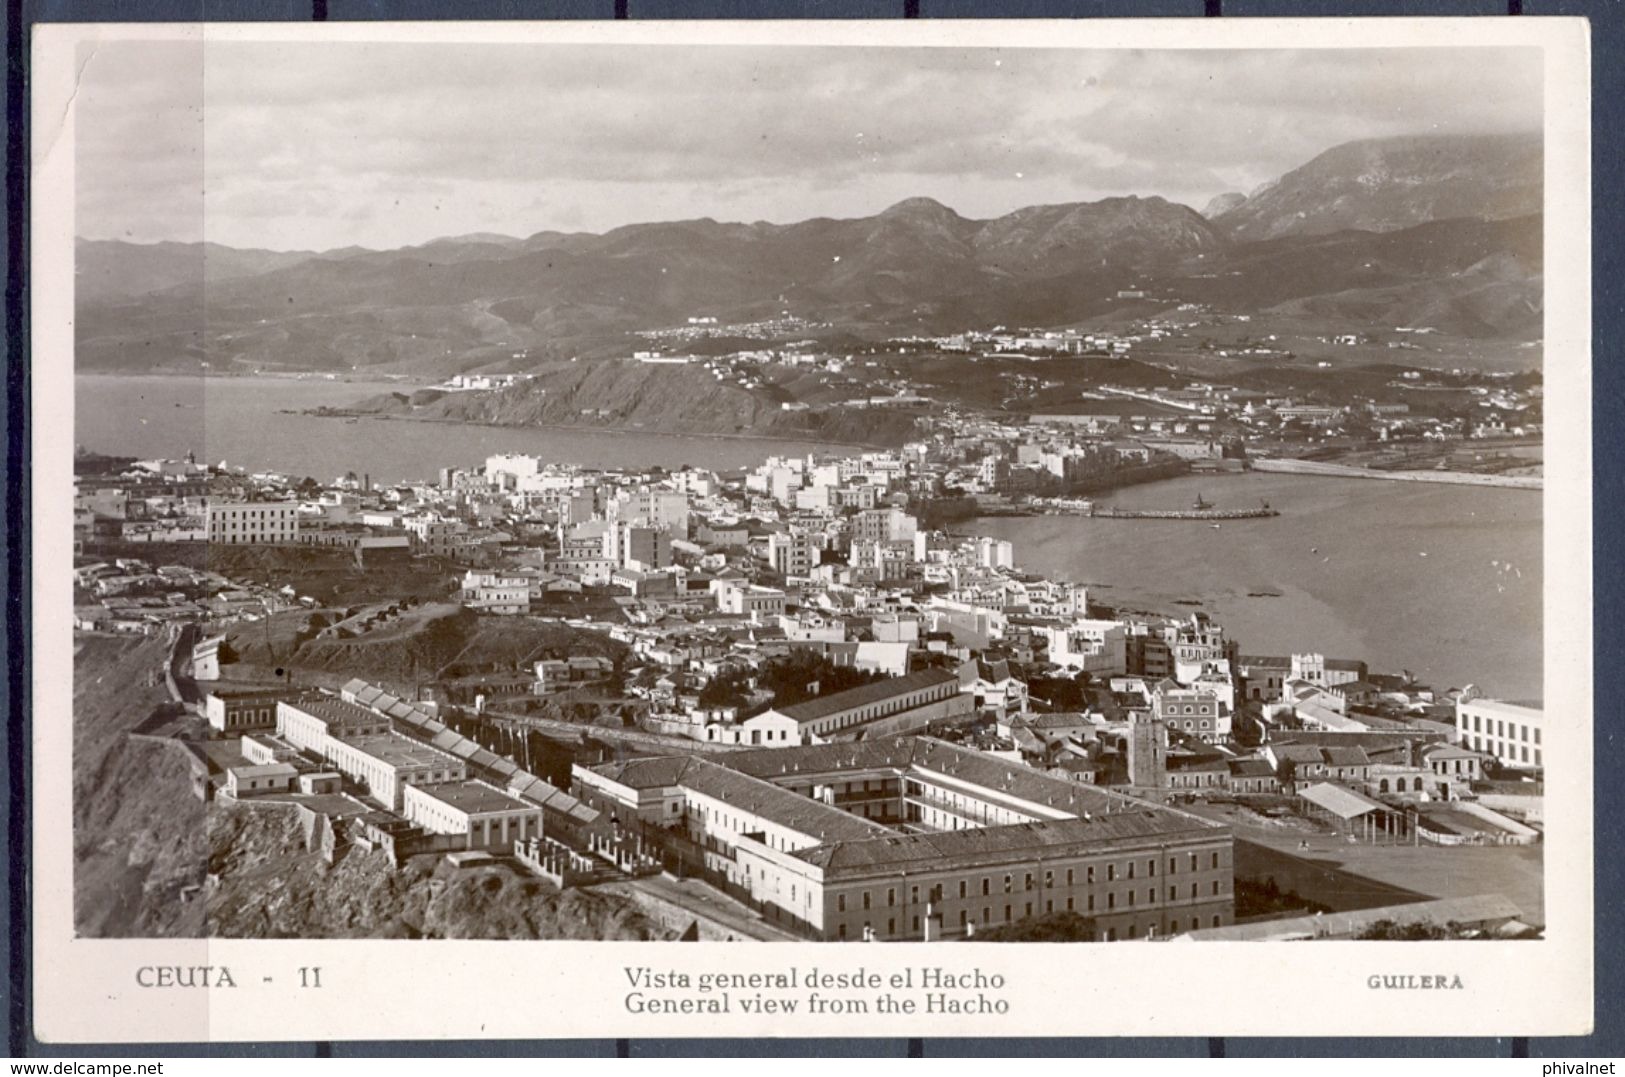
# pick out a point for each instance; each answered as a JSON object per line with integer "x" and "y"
{"x": 1511, "y": 732}
{"x": 1094, "y": 646}
{"x": 482, "y": 815}
{"x": 236, "y": 523}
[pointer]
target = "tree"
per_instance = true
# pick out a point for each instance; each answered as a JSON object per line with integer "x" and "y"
{"x": 727, "y": 689}
{"x": 1416, "y": 931}
{"x": 1049, "y": 927}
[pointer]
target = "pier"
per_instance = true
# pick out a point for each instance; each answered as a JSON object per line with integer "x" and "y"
{"x": 1060, "y": 506}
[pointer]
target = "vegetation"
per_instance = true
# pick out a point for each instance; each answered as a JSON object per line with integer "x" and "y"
{"x": 1255, "y": 899}
{"x": 1417, "y": 931}
{"x": 1050, "y": 927}
{"x": 794, "y": 679}
{"x": 1060, "y": 692}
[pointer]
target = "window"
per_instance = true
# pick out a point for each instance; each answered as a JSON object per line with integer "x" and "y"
{"x": 1173, "y": 893}
{"x": 891, "y": 926}
{"x": 1131, "y": 899}
{"x": 961, "y": 887}
{"x": 1215, "y": 887}
{"x": 1068, "y": 904}
{"x": 984, "y": 888}
{"x": 891, "y": 896}
{"x": 1131, "y": 869}
{"x": 1008, "y": 880}
{"x": 1111, "y": 901}
{"x": 1091, "y": 903}
{"x": 1007, "y": 914}
{"x": 986, "y": 914}
{"x": 1151, "y": 867}
{"x": 1193, "y": 861}
{"x": 1193, "y": 891}
{"x": 1027, "y": 882}
{"x": 866, "y": 899}
{"x": 840, "y": 932}
{"x": 1111, "y": 872}
{"x": 1069, "y": 876}
{"x": 1173, "y": 866}
{"x": 1091, "y": 874}
{"x": 913, "y": 895}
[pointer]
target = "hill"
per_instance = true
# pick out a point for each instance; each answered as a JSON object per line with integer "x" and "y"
{"x": 674, "y": 399}
{"x": 499, "y": 303}
{"x": 1380, "y": 185}
{"x": 139, "y": 846}
{"x": 415, "y": 643}
{"x": 268, "y": 886}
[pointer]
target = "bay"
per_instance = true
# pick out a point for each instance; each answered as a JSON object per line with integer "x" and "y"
{"x": 242, "y": 421}
{"x": 1445, "y": 581}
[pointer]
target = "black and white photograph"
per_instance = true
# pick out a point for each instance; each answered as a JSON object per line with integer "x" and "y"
{"x": 922, "y": 489}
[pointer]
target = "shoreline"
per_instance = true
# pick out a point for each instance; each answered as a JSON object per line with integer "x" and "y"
{"x": 607, "y": 431}
{"x": 215, "y": 375}
{"x": 1442, "y": 478}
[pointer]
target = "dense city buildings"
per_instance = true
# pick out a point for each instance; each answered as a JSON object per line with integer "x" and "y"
{"x": 806, "y": 687}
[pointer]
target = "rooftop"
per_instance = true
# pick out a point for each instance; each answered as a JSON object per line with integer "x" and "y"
{"x": 997, "y": 777}
{"x": 335, "y": 711}
{"x": 753, "y": 796}
{"x": 995, "y": 844}
{"x": 867, "y": 694}
{"x": 395, "y": 750}
{"x": 1344, "y": 803}
{"x": 475, "y": 797}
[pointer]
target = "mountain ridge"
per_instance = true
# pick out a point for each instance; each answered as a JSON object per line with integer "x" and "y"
{"x": 493, "y": 301}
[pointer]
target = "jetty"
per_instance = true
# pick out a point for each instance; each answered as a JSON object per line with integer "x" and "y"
{"x": 1200, "y": 510}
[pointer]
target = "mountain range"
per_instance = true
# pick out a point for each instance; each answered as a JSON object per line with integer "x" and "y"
{"x": 1441, "y": 229}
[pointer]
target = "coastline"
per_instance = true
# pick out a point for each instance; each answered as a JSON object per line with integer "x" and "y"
{"x": 1447, "y": 478}
{"x": 608, "y": 431}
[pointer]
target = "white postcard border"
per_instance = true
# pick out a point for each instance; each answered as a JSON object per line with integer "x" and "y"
{"x": 85, "y": 990}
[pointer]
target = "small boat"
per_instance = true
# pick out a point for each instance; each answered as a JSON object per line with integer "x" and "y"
{"x": 1215, "y": 527}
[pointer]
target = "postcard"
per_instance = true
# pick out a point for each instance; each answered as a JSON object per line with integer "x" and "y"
{"x": 1046, "y": 524}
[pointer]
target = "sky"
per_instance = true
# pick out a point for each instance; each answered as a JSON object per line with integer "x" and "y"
{"x": 314, "y": 146}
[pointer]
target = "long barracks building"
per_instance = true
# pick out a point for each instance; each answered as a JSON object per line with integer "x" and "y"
{"x": 913, "y": 838}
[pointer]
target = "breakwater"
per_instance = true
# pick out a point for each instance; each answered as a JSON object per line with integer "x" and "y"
{"x": 1450, "y": 478}
{"x": 1073, "y": 507}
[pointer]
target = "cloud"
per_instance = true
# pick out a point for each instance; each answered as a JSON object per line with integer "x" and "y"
{"x": 328, "y": 144}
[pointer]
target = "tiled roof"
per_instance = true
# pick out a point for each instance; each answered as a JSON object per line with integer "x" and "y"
{"x": 995, "y": 844}
{"x": 336, "y": 712}
{"x": 866, "y": 694}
